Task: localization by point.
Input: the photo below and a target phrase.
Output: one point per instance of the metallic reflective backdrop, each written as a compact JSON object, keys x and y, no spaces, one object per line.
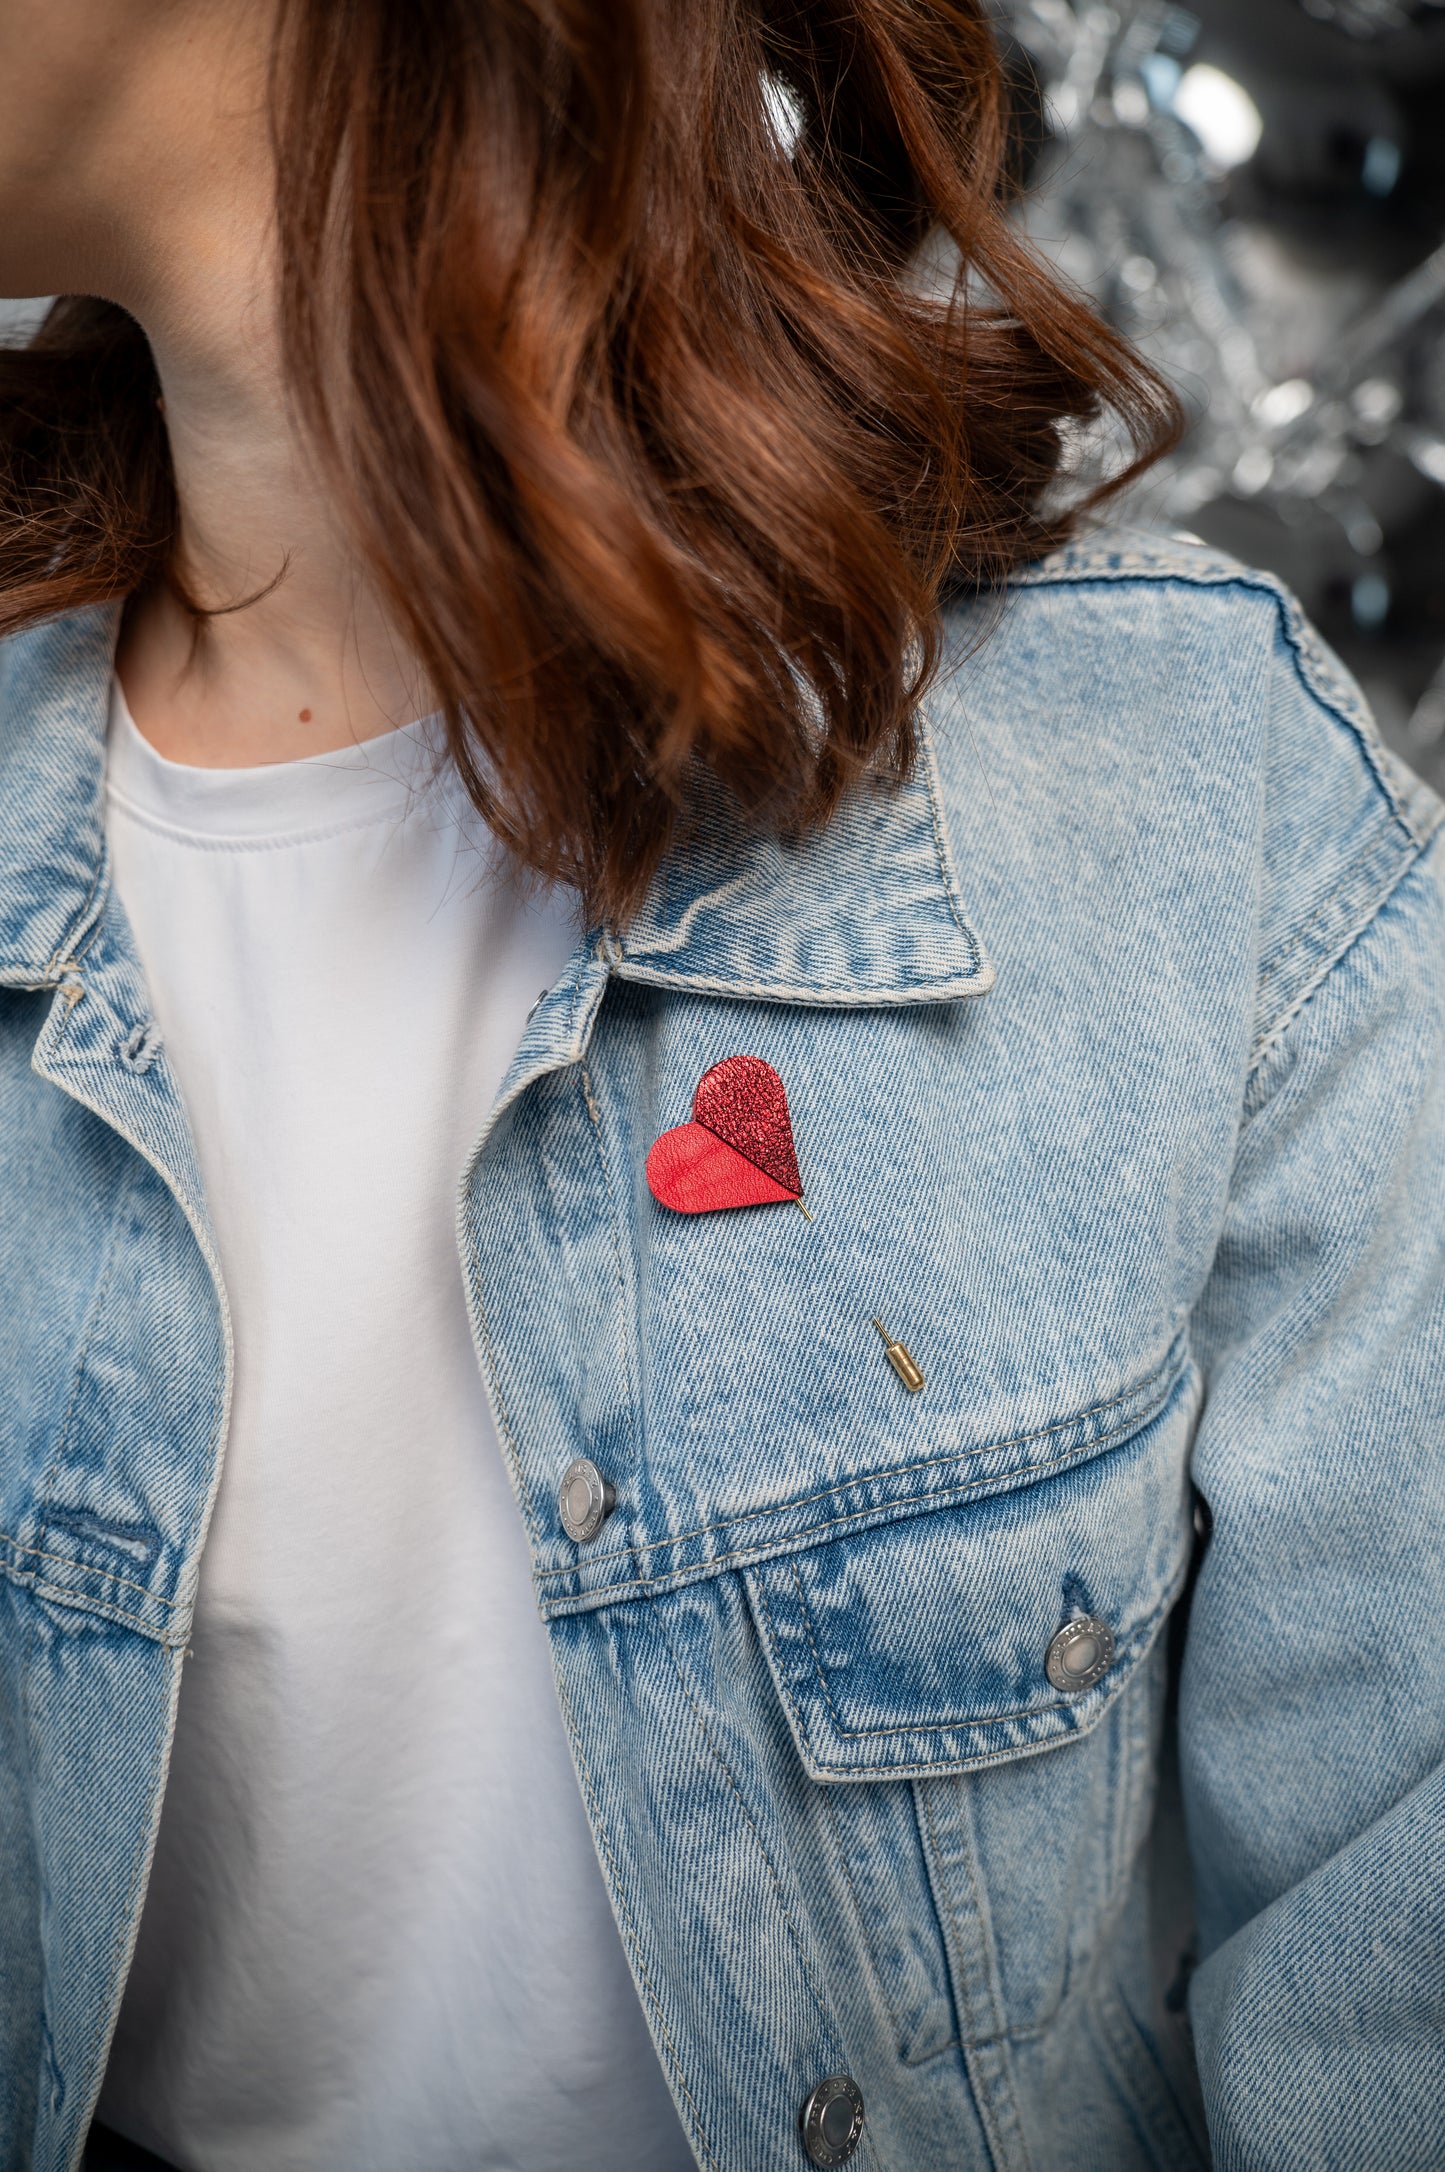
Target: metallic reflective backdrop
{"x":1255,"y":191}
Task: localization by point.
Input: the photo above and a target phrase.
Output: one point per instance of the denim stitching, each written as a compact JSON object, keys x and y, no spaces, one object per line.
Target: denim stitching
{"x":919,"y":1727}
{"x":109,"y":2009}
{"x":1310,"y":665}
{"x":984,"y":1719}
{"x":699,"y":1570}
{"x":775,"y":1656}
{"x":1270,"y":966}
{"x":614,"y":1220}
{"x":816,"y":993}
{"x":767,"y":1860}
{"x":97,"y":1309}
{"x":1329,"y":966}
{"x":928,"y":767}
{"x":1136,"y":1650}
{"x":825,"y":1796}
{"x":982,"y":2089}
{"x":1170,"y":1363}
{"x":696,"y":1570}
{"x":67,"y":948}
{"x":634,"y":1944}
{"x":1127,"y":2042}
{"x":207,"y":1253}
{"x":504,"y":1423}
{"x":68,"y":1561}
{"x":77,"y":1603}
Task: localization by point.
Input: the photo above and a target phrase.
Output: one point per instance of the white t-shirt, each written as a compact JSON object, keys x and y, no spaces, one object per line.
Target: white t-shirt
{"x":376,"y":1937}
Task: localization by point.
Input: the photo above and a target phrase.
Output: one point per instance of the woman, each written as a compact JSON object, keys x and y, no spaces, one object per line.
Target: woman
{"x":955,"y":1591}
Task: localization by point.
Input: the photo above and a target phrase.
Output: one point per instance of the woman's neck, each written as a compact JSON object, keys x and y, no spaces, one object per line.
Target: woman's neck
{"x":314,"y":663}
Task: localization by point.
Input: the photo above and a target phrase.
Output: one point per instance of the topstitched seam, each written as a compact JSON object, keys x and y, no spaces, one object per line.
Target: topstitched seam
{"x":68,"y":1561}
{"x":813,"y":994}
{"x":613,"y":1217}
{"x":75,"y":1602}
{"x":830,"y":1812}
{"x":1311,"y":666}
{"x":979,"y":1719}
{"x":1109,"y":1690}
{"x":1328,"y":966}
{"x":634,"y":1943}
{"x":928,"y":768}
{"x":698,"y":1570}
{"x":982,"y":2088}
{"x":767,"y":1860}
{"x":1139,"y":1390}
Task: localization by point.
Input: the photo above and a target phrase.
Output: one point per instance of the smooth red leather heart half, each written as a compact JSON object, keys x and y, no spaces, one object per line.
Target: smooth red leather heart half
{"x":738,"y":1150}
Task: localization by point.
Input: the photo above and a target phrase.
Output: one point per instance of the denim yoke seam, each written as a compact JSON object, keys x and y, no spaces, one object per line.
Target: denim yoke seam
{"x":1271,"y":969}
{"x":819,"y":1999}
{"x":634,"y":1943}
{"x":650,"y":1586}
{"x":1135,"y":1389}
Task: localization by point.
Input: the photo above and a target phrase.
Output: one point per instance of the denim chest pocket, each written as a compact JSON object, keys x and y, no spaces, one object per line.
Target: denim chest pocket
{"x":924,"y":1646}
{"x":913,"y":1665}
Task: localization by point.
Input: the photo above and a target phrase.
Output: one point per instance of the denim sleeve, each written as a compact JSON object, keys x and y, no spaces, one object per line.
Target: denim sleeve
{"x":1312,"y":1710}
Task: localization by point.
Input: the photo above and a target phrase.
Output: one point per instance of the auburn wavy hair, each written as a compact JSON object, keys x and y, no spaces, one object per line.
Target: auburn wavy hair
{"x":606,"y":320}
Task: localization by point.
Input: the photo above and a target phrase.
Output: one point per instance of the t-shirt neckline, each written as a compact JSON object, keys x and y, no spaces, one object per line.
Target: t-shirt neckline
{"x":372,"y":780}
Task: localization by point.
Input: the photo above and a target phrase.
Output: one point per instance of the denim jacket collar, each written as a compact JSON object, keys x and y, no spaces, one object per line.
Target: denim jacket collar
{"x":54,"y":691}
{"x":735,"y":915}
{"x":865,"y":912}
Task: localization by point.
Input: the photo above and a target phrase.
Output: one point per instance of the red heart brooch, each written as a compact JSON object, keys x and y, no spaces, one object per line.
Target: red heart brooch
{"x":737,"y":1151}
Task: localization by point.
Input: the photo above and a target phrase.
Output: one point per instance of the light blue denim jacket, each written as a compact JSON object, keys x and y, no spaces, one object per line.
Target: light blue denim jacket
{"x":1114,"y":1046}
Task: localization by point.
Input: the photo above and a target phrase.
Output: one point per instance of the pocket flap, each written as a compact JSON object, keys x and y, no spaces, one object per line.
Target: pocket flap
{"x":921,"y":1647}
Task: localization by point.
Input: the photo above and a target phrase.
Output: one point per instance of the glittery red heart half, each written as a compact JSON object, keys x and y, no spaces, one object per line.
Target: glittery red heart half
{"x":742,"y":1102}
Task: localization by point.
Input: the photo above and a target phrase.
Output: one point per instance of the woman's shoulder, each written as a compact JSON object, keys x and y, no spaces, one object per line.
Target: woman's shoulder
{"x":1144,"y":702}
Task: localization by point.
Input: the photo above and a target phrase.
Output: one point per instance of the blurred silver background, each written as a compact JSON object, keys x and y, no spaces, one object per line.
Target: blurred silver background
{"x":1254,"y":190}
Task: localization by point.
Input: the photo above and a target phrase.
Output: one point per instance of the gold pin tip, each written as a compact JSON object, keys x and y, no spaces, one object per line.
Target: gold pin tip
{"x":807,"y":1217}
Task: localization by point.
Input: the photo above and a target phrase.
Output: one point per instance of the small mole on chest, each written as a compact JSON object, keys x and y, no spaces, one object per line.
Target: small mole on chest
{"x":303,"y":716}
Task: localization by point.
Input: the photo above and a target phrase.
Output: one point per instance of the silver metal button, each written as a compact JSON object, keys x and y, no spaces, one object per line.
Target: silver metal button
{"x":1081,"y":1652}
{"x":832,"y":2120}
{"x":585,"y":1500}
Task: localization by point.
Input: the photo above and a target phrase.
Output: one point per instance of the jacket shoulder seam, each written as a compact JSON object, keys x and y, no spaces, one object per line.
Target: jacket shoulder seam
{"x":1338,"y":923}
{"x":1415,"y":810}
